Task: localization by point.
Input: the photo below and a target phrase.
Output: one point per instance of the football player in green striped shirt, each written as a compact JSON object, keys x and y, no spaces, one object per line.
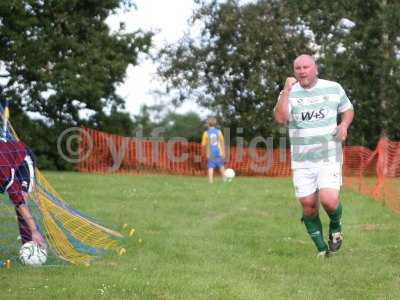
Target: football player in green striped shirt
{"x":310,"y":106}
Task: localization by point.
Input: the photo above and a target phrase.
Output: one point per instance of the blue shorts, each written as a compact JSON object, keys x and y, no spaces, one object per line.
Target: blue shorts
{"x":26,"y":174}
{"x":216,"y":162}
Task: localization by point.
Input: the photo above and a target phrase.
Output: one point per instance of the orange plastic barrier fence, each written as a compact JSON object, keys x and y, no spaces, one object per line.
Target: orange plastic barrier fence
{"x":372,"y":173}
{"x":104,"y":153}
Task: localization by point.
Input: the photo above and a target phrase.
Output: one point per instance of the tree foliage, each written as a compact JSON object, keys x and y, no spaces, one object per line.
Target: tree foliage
{"x":168,"y":125}
{"x":246,"y":50}
{"x":188,"y":126}
{"x":116,"y":122}
{"x":59,"y":57}
{"x":360,"y":47}
{"x":236,"y":66}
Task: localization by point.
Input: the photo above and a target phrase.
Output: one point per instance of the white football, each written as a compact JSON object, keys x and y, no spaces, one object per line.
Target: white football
{"x":229,"y":174}
{"x":32,"y":254}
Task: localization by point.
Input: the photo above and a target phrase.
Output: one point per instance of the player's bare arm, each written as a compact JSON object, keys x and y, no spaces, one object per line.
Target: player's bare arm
{"x":36,"y":236}
{"x":341,"y":130}
{"x":281,"y":110}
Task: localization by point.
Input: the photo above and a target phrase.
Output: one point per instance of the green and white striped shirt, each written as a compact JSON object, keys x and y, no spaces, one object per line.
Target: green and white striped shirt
{"x":312,"y":121}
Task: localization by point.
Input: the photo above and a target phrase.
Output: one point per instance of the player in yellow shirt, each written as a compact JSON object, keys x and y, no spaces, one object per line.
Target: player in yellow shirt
{"x":213,"y":143}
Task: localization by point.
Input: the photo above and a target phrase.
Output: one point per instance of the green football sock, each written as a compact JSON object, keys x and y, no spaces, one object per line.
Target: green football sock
{"x":334,"y":224}
{"x":314,"y":229}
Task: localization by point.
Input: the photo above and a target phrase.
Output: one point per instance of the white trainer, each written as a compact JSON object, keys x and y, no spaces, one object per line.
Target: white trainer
{"x":323,"y":254}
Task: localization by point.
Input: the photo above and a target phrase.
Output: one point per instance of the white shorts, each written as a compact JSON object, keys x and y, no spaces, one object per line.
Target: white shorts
{"x":307,"y":181}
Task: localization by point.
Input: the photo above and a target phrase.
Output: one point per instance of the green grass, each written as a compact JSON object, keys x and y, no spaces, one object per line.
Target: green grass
{"x":240,"y":240}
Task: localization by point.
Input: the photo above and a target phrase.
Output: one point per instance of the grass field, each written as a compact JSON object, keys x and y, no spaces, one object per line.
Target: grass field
{"x":239,"y":240}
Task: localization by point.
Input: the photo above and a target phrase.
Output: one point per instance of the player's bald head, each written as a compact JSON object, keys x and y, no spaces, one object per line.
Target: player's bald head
{"x":305,"y":59}
{"x":305,"y":70}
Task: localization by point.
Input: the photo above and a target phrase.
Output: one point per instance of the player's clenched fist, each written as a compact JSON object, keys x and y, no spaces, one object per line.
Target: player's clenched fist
{"x":290,"y":81}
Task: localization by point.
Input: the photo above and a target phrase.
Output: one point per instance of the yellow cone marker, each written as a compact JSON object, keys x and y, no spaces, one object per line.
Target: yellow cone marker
{"x":122,"y":251}
{"x":132,"y":232}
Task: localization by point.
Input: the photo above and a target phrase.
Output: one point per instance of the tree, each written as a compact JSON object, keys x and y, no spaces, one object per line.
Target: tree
{"x":168,"y":124}
{"x":360,"y":47}
{"x":59,"y":57}
{"x":143,"y":122}
{"x":237,"y":64}
{"x":245,"y":51}
{"x":116,"y":122}
{"x":188,"y":126}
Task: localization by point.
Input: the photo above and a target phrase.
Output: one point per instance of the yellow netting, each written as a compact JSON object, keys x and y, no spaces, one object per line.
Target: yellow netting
{"x":70,"y":235}
{"x":59,"y":222}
